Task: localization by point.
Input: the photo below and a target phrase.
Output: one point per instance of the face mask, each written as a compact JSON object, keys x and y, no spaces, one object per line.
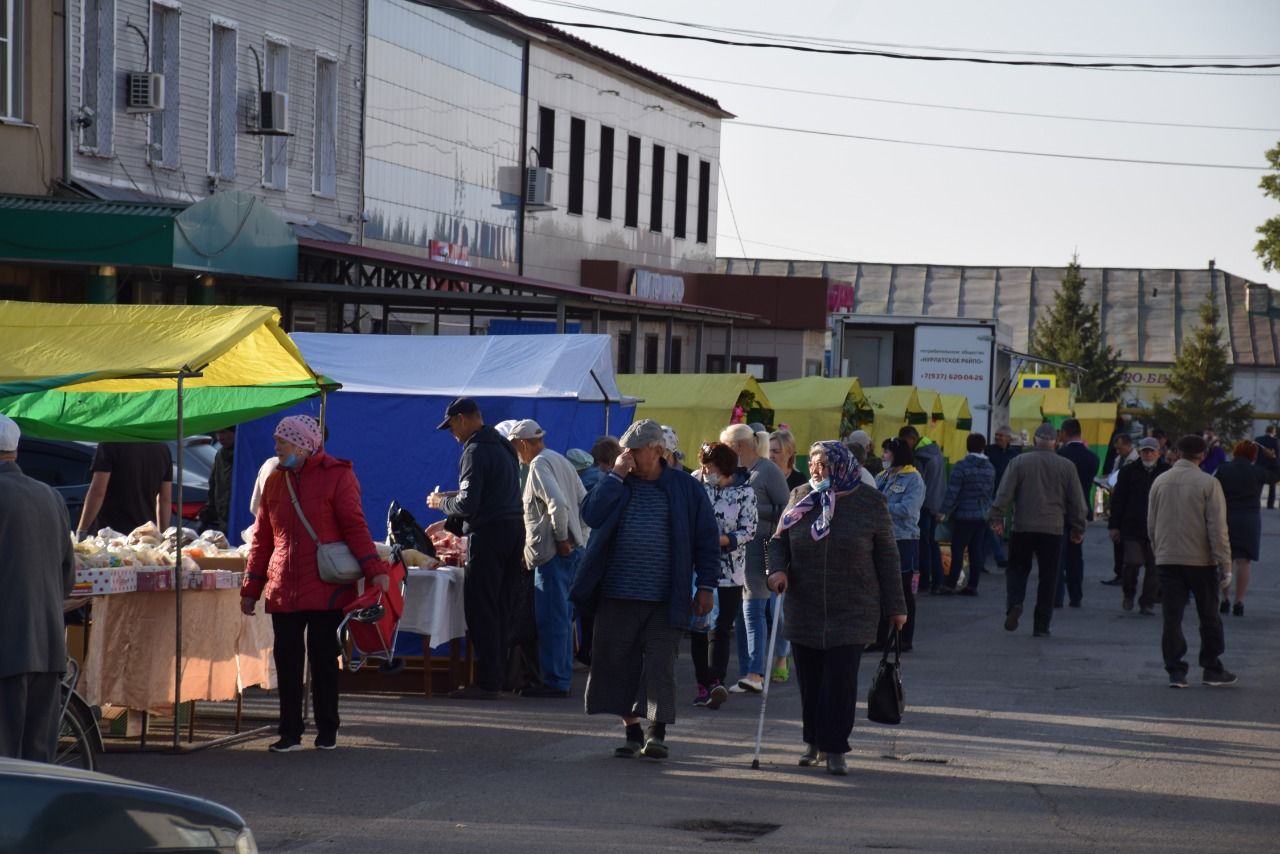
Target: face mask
{"x":1148,"y":465}
{"x":887,"y":459}
{"x":820,"y":485}
{"x":712,"y":479}
{"x":292,"y":461}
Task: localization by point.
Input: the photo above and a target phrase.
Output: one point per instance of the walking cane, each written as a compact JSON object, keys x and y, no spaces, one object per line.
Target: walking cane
{"x":764,"y":699}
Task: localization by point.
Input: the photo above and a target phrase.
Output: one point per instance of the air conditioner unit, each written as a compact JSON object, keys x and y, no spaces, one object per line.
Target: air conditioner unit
{"x":145,"y":92}
{"x":537,"y":188}
{"x":273,"y":113}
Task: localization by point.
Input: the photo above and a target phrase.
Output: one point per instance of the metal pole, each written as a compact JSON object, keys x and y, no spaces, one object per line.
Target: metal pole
{"x":764,"y":699}
{"x":324,"y":411}
{"x":177,"y":579}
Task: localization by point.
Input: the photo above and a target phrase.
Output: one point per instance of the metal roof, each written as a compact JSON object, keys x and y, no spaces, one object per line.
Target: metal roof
{"x":50,"y":204}
{"x":1146,"y":313}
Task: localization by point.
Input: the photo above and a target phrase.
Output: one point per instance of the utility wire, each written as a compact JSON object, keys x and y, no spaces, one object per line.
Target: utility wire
{"x":729,"y":199}
{"x":1096,"y":157}
{"x":969,"y":109}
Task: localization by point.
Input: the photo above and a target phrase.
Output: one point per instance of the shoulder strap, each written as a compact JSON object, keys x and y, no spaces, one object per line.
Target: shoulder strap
{"x":297,"y":508}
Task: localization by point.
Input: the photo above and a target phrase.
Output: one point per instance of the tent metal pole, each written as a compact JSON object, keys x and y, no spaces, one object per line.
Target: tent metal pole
{"x":604,"y":394}
{"x":324,"y":410}
{"x":177,"y":577}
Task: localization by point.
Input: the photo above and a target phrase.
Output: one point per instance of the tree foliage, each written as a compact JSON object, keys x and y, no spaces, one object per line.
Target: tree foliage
{"x":1268,"y":248}
{"x":1200,"y":385}
{"x":1072,"y":332}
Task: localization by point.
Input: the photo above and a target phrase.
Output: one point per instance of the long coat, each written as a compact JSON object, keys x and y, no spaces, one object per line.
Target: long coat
{"x":37,"y":571}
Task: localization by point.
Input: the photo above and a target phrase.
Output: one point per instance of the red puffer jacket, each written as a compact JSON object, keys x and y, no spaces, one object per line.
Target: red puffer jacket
{"x":283,"y":556}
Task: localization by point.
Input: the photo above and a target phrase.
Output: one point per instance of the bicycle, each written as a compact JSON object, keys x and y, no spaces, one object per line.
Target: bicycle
{"x":79,"y":738}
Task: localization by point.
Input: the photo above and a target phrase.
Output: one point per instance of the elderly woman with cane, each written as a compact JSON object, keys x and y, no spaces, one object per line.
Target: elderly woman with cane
{"x":835,"y":556}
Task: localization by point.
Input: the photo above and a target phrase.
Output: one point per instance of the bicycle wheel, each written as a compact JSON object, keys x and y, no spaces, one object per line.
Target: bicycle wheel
{"x":75,"y":745}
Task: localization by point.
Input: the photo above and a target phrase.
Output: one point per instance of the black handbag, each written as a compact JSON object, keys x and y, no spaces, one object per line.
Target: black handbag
{"x":886,"y":700}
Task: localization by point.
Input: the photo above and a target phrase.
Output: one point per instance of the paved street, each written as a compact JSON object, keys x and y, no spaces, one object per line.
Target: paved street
{"x":1072,"y":743}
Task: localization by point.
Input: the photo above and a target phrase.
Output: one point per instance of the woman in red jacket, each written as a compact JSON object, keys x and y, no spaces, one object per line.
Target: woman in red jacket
{"x":282,"y":563}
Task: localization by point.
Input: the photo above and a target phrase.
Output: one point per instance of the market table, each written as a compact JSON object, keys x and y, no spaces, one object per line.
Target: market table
{"x":433,"y":608}
{"x":131,"y":649}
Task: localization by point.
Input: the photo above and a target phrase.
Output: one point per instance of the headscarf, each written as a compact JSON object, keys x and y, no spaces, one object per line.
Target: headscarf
{"x":301,"y":430}
{"x":844,"y":473}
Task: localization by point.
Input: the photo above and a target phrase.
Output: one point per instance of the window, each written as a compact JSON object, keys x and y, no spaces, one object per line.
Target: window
{"x":604,"y":205}
{"x":577,"y":154}
{"x":164,"y":149}
{"x":655,"y":188}
{"x":222,"y":101}
{"x":677,"y":355}
{"x":715,"y":363}
{"x":631,"y":217}
{"x":11,"y":58}
{"x":546,"y":137}
{"x":324,"y":165}
{"x":682,"y":193}
{"x":651,"y":354}
{"x":98,"y":76}
{"x":625,"y":353}
{"x":275,"y":149}
{"x":704,"y":199}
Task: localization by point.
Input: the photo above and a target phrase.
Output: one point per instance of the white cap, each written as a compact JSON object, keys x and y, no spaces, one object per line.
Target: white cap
{"x":526,"y":429}
{"x":9,"y":434}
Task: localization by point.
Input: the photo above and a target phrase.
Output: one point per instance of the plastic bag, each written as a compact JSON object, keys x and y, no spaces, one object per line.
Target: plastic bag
{"x":403,"y":530}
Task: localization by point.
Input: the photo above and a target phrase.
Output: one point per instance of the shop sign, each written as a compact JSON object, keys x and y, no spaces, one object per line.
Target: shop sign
{"x":657,"y":286}
{"x":1037,"y":381}
{"x":839,"y":298}
{"x":956,"y":360}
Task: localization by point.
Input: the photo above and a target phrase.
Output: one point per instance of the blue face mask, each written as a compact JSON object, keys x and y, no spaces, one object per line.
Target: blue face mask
{"x":292,"y":461}
{"x":821,"y":485}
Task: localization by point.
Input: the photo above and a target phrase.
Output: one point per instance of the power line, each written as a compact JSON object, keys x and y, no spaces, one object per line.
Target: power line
{"x":729,"y":199}
{"x":843,"y":51}
{"x":1095,"y":157}
{"x":788,"y":248}
{"x":968,"y":109}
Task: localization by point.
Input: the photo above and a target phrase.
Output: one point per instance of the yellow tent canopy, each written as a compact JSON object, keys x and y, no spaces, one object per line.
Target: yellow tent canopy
{"x":1026,"y":411}
{"x":955,"y":408}
{"x":1097,"y":421}
{"x":696,"y":406}
{"x":814,"y":407}
{"x":894,"y":407}
{"x":1057,"y":404}
{"x":936,"y":427}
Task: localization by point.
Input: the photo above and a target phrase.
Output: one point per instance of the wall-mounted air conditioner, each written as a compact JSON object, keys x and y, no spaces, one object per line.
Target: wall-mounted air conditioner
{"x":145,"y":92}
{"x":537,"y":188}
{"x":273,"y":113}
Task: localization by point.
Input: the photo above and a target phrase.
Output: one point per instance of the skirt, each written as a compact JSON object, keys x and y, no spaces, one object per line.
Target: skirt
{"x":1244,"y":530}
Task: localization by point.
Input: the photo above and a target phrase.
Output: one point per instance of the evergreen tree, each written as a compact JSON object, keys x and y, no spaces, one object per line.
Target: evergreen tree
{"x":1072,"y":332}
{"x":1200,"y":385}
{"x":1268,"y":248}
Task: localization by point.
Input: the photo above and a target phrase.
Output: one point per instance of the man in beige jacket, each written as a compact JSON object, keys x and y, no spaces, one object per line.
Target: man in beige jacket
{"x":1187,"y":521}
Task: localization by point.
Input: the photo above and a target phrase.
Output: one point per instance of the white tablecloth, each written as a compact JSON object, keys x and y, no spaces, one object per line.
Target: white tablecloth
{"x":433,"y":604}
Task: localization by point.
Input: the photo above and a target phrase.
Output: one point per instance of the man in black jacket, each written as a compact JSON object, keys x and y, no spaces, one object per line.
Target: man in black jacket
{"x":1128,"y":524}
{"x":486,"y":508}
{"x":1071,"y":575}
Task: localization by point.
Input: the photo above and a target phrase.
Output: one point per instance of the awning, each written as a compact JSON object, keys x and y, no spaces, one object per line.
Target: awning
{"x":109,"y":372}
{"x":959,"y":423}
{"x":230,"y":233}
{"x":895,"y":406}
{"x":696,"y":406}
{"x":819,"y":408}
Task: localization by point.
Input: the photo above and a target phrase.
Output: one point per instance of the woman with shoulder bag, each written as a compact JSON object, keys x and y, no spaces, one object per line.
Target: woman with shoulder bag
{"x":310,"y":504}
{"x":835,"y":557}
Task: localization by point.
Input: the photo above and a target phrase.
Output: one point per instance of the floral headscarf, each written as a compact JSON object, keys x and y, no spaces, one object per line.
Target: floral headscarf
{"x":845,"y":476}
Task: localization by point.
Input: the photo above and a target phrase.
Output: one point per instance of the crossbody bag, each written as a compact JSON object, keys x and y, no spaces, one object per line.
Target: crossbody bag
{"x":335,"y":561}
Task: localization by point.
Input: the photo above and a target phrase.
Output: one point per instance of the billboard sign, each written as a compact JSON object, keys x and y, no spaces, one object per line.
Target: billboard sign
{"x":957,"y":360}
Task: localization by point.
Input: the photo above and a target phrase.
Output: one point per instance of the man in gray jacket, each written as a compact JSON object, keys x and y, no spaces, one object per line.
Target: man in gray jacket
{"x":1187,"y":520}
{"x":37,"y":571}
{"x":1047,"y":500}
{"x":553,"y":541}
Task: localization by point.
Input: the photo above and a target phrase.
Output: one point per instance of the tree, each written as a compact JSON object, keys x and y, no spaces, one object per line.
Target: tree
{"x":1072,"y":332}
{"x":1268,"y":248}
{"x":1201,"y":385}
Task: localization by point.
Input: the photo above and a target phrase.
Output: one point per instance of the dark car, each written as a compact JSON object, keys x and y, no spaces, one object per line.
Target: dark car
{"x":50,"y":809}
{"x":65,"y":465}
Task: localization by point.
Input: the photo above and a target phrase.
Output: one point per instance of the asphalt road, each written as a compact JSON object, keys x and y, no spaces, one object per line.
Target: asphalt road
{"x":1010,"y":743}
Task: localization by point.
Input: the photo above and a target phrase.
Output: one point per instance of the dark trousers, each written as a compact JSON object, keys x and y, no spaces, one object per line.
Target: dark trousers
{"x":1202,"y":583}
{"x":930,"y":564}
{"x":1137,"y":555}
{"x":1071,"y":572}
{"x":908,"y":552}
{"x":1044,"y":548}
{"x":711,"y":649}
{"x":1271,"y":496}
{"x":828,"y":694}
{"x":1117,"y":552}
{"x":494,"y":564}
{"x":971,"y":535}
{"x":29,"y":706}
{"x":320,"y":648}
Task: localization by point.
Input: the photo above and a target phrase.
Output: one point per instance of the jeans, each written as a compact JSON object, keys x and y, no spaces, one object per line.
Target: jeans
{"x":828,"y":694}
{"x":931,"y":576}
{"x":1071,"y":575}
{"x":1045,"y":549}
{"x":1202,"y":583}
{"x":908,"y":552}
{"x":320,"y":650}
{"x":995,"y":547}
{"x":753,"y":637}
{"x":554,"y":616}
{"x":775,"y":613}
{"x":711,"y":649}
{"x":968,"y":534}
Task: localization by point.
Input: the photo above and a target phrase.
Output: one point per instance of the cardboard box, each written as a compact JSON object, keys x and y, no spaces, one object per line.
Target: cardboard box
{"x":104,"y":582}
{"x":232,"y":563}
{"x":155,"y":578}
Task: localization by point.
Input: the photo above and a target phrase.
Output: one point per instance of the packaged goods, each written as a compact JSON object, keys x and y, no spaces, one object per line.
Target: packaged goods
{"x":105,"y":581}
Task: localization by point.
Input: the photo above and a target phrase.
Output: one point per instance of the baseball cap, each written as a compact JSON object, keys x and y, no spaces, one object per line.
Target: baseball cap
{"x":1046,"y":431}
{"x":527,"y":429}
{"x":10,"y":433}
{"x":642,"y":434}
{"x":460,"y":406}
{"x":861,"y":437}
{"x":581,"y":459}
{"x":1148,"y":444}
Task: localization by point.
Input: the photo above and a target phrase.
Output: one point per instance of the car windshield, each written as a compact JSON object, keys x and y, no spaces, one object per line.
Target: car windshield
{"x":197,"y":461}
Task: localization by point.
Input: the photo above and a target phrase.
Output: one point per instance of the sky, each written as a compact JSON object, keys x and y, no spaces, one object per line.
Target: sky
{"x":799,"y":196}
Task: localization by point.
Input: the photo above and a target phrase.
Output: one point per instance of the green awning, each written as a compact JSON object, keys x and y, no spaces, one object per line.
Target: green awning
{"x":227,"y":233}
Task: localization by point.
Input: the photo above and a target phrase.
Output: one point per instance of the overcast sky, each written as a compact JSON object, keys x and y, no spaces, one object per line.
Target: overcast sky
{"x":802,"y":196}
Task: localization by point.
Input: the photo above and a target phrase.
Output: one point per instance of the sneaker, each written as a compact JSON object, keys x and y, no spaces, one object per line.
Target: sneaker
{"x":1178,"y":680}
{"x":1237,"y":610}
{"x":1219,"y":678}
{"x":327,"y":742}
{"x":1011,"y":619}
{"x":1112,"y":582}
{"x":655,"y":748}
{"x":703,"y":698}
{"x":1225,"y":607}
{"x":751,"y":683}
{"x":736,"y":688}
{"x":812,"y":757}
{"x":630,"y":750}
{"x":286,"y":745}
{"x":719,"y":694}
{"x":1127,"y":604}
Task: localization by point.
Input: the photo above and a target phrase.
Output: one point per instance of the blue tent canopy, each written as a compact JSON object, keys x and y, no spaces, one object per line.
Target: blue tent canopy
{"x":394,"y":392}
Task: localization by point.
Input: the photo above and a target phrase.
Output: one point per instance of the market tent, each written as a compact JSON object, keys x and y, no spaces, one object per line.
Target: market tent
{"x":696,"y":406}
{"x":1026,"y":411}
{"x":959,"y":421}
{"x":109,"y":372}
{"x":1058,"y":405}
{"x":936,"y":425}
{"x":1097,"y":423}
{"x":895,"y":406}
{"x":395,"y":389}
{"x":818,"y":408}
